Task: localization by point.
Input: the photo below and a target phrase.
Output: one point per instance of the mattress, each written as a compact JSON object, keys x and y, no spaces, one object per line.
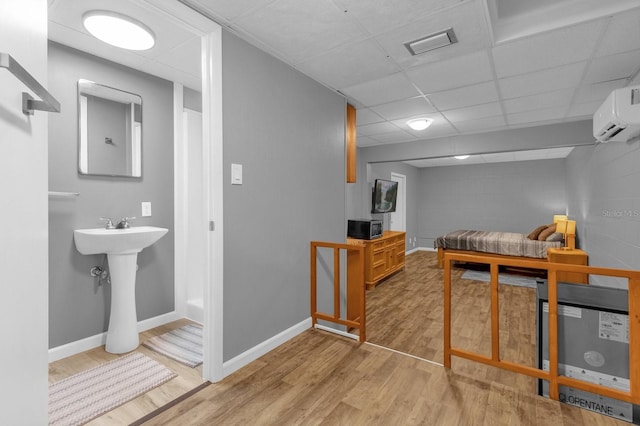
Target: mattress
{"x":505,"y":243}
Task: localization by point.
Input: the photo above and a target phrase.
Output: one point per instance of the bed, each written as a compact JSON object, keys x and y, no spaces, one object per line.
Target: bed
{"x":511,"y":244}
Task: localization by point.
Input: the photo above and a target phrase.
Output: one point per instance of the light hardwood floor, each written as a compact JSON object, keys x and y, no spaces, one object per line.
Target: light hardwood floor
{"x":321,"y":378}
{"x":188,"y":378}
{"x":405,"y":313}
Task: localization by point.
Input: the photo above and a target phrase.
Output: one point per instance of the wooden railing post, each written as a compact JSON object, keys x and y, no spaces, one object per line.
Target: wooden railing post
{"x":314,"y":285}
{"x":336,"y":282}
{"x":447,"y":313}
{"x":552,"y":294}
{"x":634,"y":338}
{"x":495,"y":314}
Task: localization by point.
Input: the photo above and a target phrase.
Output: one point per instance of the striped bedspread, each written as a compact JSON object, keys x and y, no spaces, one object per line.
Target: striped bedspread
{"x":506,"y":243}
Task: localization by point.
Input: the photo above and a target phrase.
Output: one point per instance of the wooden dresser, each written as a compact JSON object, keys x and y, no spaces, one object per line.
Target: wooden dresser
{"x":382,"y":256}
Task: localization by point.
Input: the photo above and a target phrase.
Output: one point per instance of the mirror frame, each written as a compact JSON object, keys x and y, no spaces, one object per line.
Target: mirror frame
{"x":88,"y":87}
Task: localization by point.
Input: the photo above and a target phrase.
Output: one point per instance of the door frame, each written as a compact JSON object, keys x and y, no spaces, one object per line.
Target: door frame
{"x":212,"y":189}
{"x":401,"y":202}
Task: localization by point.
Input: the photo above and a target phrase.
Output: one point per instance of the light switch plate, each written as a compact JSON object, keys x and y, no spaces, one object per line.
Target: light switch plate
{"x":146,"y":208}
{"x":236,"y":174}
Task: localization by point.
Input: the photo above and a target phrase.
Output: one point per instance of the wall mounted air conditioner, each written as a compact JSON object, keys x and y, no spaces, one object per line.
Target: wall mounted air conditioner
{"x":618,"y":118}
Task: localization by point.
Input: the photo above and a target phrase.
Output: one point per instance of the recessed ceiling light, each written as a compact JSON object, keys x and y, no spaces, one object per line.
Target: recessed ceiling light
{"x":420,"y":123}
{"x":118,"y":30}
{"x":461,"y":157}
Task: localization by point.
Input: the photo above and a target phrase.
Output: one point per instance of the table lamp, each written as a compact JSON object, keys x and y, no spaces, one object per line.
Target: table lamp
{"x":568,"y":229}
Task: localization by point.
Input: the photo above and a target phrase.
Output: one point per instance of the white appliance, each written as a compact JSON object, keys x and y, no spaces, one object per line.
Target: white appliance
{"x":618,"y":118}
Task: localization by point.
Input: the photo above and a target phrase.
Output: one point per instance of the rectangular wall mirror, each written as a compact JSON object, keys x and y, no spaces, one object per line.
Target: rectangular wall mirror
{"x":110,"y":131}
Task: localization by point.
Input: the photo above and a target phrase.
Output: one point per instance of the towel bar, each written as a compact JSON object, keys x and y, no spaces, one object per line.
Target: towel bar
{"x":29,"y":104}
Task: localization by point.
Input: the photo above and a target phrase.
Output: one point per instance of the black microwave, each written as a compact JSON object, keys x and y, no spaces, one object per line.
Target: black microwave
{"x":364,"y":229}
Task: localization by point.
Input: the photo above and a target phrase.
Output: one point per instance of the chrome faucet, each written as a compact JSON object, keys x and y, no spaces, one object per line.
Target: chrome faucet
{"x":124,"y":223}
{"x":109,"y":223}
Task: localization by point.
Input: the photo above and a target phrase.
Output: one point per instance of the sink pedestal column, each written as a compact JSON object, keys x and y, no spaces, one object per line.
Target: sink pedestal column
{"x":122,"y":335}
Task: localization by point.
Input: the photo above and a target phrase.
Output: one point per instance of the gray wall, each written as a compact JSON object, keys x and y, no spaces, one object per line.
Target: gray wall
{"x":78,"y":307}
{"x":603,"y":184}
{"x":383,"y":171}
{"x":192,"y":99}
{"x":509,"y":197}
{"x":288,"y":133}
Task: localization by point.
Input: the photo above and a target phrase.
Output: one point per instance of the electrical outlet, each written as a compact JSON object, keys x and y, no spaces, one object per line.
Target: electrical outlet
{"x":146,"y":208}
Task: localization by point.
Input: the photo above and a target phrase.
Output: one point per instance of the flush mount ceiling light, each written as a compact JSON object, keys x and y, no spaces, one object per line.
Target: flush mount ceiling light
{"x":118,"y":30}
{"x":433,"y":41}
{"x":420,"y":123}
{"x":461,"y":157}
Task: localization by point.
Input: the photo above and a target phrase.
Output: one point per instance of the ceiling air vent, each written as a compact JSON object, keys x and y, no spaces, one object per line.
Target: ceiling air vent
{"x":431,"y":42}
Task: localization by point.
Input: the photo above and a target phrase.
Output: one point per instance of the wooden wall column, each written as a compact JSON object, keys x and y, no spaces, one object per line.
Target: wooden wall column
{"x":351,"y":144}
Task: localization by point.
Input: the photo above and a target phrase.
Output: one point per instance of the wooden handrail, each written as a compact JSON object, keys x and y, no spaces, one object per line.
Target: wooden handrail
{"x":555,"y":380}
{"x":355,"y":276}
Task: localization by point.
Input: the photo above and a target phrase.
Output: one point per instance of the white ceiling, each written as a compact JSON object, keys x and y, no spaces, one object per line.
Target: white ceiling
{"x":517,"y":63}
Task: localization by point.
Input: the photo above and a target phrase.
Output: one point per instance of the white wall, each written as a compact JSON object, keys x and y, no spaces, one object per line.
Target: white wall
{"x":24,"y":250}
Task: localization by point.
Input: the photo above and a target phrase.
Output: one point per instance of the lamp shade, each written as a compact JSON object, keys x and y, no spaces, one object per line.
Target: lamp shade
{"x":567,"y":227}
{"x":559,"y":217}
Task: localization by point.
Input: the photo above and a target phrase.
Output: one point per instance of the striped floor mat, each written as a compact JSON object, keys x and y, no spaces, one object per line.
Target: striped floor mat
{"x":91,"y":393}
{"x":183,"y":345}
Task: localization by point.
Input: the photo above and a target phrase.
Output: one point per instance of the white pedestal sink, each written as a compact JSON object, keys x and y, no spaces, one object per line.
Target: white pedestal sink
{"x":121,"y":247}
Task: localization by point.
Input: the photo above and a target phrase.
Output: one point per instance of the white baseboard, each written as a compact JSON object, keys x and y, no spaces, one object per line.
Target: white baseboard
{"x":97,"y":340}
{"x":420,"y":249}
{"x":268,"y":345}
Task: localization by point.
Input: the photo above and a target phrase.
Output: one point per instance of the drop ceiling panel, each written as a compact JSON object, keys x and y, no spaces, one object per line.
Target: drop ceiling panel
{"x":540,"y":115}
{"x":366,"y":141}
{"x":540,"y":101}
{"x":450,"y":73}
{"x":613,"y":67}
{"x":405,"y":108}
{"x":350,"y":64}
{"x":511,"y":8}
{"x":542,"y":81}
{"x":378,"y":16}
{"x":184,"y":59}
{"x":394,"y":137}
{"x":598,"y":91}
{"x":301,"y":29}
{"x":377,"y":128}
{"x":473,"y":112}
{"x":86,"y":43}
{"x":465,"y":96}
{"x":481,"y":125}
{"x":367,"y":116}
{"x":622,"y":35}
{"x":467,"y":21}
{"x":383,"y":90}
{"x":548,"y":50}
{"x":230,"y":9}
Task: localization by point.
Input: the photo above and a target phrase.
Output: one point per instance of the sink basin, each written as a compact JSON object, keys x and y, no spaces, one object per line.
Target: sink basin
{"x":121,"y":247}
{"x":116,"y":241}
